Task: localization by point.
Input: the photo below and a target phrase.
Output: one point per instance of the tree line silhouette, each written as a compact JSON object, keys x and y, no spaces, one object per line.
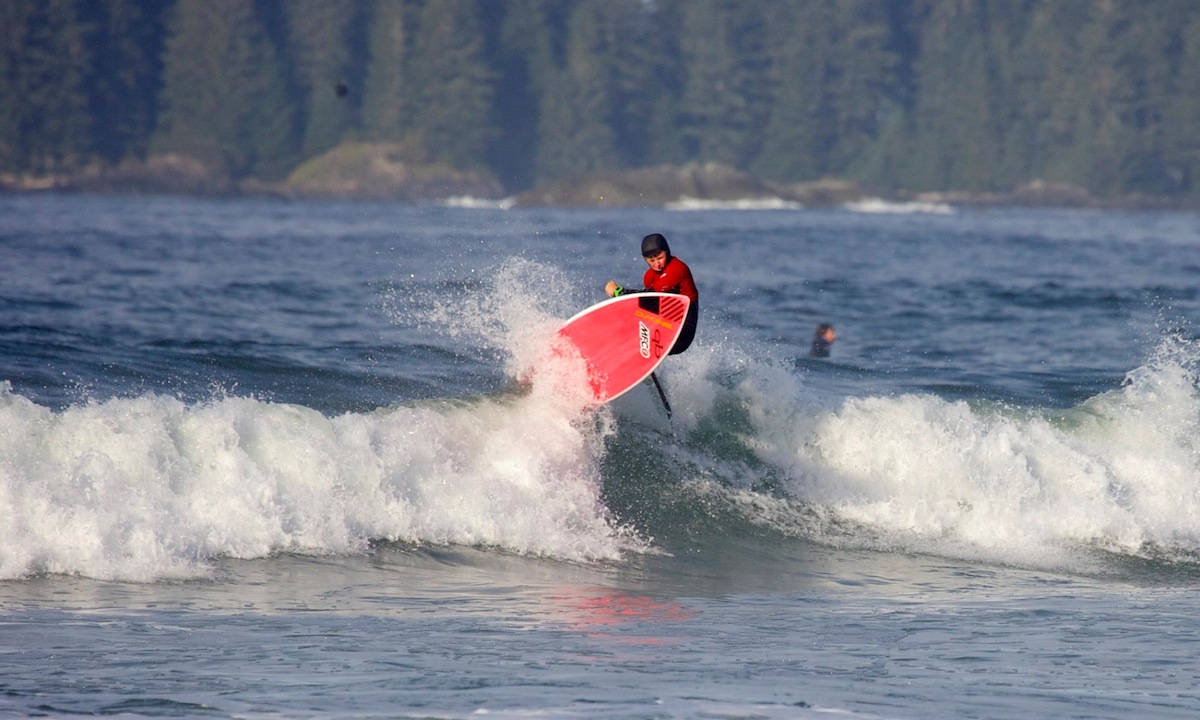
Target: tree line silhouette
{"x":903,"y":95}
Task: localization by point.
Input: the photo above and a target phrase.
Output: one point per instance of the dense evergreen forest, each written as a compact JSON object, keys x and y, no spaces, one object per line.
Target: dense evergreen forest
{"x":905,"y":95}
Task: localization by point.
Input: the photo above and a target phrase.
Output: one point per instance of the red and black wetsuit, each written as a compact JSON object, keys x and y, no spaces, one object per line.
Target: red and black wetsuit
{"x":676,"y":277}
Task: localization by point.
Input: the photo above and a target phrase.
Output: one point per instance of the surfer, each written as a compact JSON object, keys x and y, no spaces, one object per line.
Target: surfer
{"x":669,"y":274}
{"x":823,"y":340}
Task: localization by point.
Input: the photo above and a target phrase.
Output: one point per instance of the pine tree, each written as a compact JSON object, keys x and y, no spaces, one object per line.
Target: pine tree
{"x":389,"y":105}
{"x":512,"y":27}
{"x":1143,"y":41}
{"x":45,"y":118}
{"x":724,"y":103}
{"x":224,"y":95}
{"x":793,"y":139}
{"x":453,"y":82}
{"x":594,"y":108}
{"x":640,"y":60}
{"x":657,"y":134}
{"x":955,"y":140}
{"x":123,"y":80}
{"x":862,"y":85}
{"x":321,"y":44}
{"x":1181,"y":141}
{"x":532,"y":35}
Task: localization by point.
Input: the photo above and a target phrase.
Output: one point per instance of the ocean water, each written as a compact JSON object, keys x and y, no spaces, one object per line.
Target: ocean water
{"x":268,"y":459}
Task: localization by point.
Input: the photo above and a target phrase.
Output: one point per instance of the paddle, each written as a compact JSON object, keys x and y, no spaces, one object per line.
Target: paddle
{"x":662,"y":395}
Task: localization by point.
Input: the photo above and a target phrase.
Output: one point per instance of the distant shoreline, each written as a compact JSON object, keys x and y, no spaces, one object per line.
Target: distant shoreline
{"x":693,"y":186}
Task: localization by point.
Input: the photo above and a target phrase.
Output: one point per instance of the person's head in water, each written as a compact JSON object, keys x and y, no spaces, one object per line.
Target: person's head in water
{"x":823,"y":340}
{"x":656,"y":251}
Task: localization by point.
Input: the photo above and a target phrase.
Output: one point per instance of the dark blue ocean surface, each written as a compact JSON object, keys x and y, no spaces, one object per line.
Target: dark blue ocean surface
{"x":271,"y":459}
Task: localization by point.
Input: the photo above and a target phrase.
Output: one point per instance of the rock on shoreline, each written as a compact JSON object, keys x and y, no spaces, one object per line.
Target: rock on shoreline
{"x":367,"y":171}
{"x":385,"y":171}
{"x":665,"y":184}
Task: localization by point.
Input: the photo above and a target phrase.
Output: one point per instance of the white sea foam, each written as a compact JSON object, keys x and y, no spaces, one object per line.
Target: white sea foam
{"x":881,"y":206}
{"x":918,"y":473}
{"x":474,"y":203}
{"x":772,"y":203}
{"x":149,"y":488}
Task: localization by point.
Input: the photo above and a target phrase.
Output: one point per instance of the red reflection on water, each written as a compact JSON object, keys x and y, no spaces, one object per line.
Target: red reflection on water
{"x":598,"y":614}
{"x":617,"y":609}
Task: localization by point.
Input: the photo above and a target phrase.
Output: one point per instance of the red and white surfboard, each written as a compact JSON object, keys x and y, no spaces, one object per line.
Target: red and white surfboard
{"x":625,"y":338}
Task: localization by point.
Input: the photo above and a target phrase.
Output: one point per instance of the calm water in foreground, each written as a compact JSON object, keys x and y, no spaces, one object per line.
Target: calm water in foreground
{"x":264,"y":459}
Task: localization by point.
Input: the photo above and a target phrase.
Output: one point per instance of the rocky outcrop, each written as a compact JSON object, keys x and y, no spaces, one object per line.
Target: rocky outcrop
{"x":648,"y":187}
{"x":167,"y":174}
{"x":666,"y":184}
{"x":374,"y":171}
{"x":385,"y":171}
{"x":822,"y":193}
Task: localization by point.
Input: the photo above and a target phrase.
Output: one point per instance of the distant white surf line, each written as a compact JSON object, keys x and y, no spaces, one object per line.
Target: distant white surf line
{"x":474,"y":203}
{"x":774,"y":203}
{"x":880,"y":206}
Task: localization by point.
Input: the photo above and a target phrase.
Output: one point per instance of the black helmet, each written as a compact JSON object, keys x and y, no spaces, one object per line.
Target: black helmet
{"x":654,"y":244}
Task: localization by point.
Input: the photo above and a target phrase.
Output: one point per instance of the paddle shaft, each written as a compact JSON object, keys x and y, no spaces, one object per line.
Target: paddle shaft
{"x":661,"y":394}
